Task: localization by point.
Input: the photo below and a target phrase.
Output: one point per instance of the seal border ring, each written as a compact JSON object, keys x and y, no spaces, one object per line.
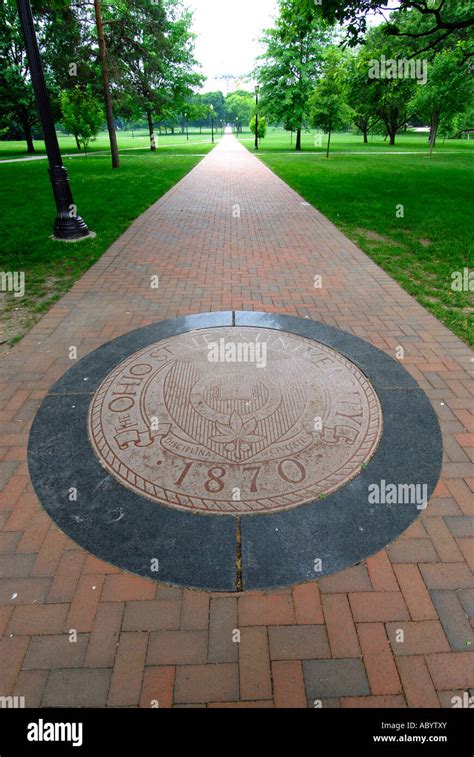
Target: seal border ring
{"x":198,"y":551}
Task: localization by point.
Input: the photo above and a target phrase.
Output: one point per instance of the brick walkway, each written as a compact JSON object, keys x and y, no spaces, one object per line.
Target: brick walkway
{"x":333,"y":640}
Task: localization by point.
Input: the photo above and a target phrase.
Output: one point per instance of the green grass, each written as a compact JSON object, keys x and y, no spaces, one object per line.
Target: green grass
{"x":109,"y":200}
{"x":359,"y":193}
{"x":279,"y":141}
{"x":126,"y":142}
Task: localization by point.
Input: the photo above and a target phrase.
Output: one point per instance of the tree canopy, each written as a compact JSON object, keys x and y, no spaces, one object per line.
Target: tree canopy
{"x":149,"y":51}
{"x":327,"y":105}
{"x":290,"y":65}
{"x":440,"y":19}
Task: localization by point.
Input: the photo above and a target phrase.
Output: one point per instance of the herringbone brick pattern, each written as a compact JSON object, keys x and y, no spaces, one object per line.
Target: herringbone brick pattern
{"x":77,"y":631}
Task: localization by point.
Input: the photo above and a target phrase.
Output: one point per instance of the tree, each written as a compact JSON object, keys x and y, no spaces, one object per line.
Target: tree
{"x":67,"y":38}
{"x":262,"y":126}
{"x":392,"y":102}
{"x":363,"y":108}
{"x":196,"y":110}
{"x":128,"y":110}
{"x":17,"y":99}
{"x":290,"y":66}
{"x":239,"y":107}
{"x":104,"y":66}
{"x":153,"y":50}
{"x":388,"y":93}
{"x":448,"y":89}
{"x":463,"y":122}
{"x":74,"y":51}
{"x":82,"y":114}
{"x":198,"y":107}
{"x":413,"y":30}
{"x":327,"y":105}
{"x":216,"y":99}
{"x":168,"y":120}
{"x":442,"y":19}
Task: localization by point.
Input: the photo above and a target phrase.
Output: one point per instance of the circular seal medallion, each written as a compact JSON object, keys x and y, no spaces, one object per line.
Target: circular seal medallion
{"x":235,"y":421}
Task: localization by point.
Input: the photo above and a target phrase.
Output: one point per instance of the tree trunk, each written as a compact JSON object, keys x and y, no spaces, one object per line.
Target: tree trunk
{"x":78,"y":144}
{"x":105,"y":85}
{"x":291,"y":138}
{"x":392,"y":137}
{"x":151,"y":130}
{"x":364,"y":132}
{"x":298,"y":140}
{"x":200,"y":130}
{"x":329,"y":143}
{"x":30,"y":147}
{"x":434,"y":132}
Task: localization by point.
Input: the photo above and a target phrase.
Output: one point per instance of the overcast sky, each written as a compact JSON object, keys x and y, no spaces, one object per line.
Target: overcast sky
{"x":228,"y":31}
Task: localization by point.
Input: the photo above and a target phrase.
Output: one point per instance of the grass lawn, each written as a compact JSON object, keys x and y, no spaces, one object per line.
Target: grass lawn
{"x":280,"y":141}
{"x":109,"y":200}
{"x":359,"y":193}
{"x":126,"y":142}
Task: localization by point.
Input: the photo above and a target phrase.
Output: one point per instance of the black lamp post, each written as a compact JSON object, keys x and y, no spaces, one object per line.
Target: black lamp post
{"x":237,"y":125}
{"x":257,"y":89}
{"x":68,"y":225}
{"x":186,"y":122}
{"x":212,"y":123}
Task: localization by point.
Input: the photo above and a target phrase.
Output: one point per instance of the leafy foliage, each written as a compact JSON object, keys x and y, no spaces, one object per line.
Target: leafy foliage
{"x":327,"y":106}
{"x":82,"y":114}
{"x":262,"y":126}
{"x":152,"y":48}
{"x":437,"y":21}
{"x":363,"y":109}
{"x":290,"y":66}
{"x":239,"y":107}
{"x":448,"y":89}
{"x":17,"y":99}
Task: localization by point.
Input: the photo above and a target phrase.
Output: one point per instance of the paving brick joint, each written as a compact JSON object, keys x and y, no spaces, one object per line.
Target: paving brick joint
{"x":394,"y":630}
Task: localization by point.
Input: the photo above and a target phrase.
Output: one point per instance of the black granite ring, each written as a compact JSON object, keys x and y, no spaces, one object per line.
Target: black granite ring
{"x":228,"y":553}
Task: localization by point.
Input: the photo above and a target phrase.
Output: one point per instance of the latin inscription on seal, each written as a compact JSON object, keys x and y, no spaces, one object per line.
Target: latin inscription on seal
{"x":235,"y":421}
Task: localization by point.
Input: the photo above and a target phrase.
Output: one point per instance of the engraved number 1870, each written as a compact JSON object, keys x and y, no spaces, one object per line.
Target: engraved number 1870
{"x":289,"y":470}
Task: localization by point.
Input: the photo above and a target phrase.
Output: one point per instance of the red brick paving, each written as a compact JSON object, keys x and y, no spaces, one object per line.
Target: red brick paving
{"x":144,"y":644}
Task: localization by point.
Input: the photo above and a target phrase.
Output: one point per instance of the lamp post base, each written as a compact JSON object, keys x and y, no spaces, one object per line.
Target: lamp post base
{"x":73,"y":240}
{"x":67,"y":228}
{"x":67,"y":225}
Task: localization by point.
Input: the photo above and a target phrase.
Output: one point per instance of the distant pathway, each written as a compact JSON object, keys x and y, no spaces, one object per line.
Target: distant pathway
{"x":92,"y":153}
